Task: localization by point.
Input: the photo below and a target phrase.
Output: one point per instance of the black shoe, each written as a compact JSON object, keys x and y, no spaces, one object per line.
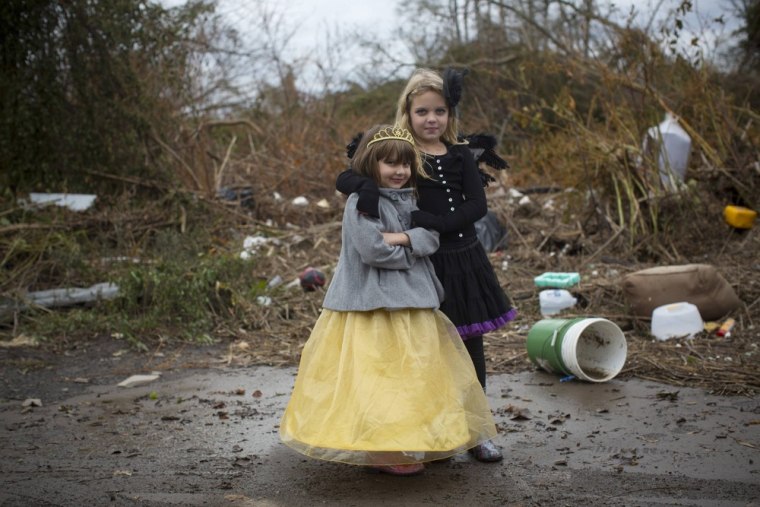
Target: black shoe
{"x":487,"y":452}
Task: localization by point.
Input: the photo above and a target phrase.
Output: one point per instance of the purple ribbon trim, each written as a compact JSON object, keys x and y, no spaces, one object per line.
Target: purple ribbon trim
{"x":481,"y":328}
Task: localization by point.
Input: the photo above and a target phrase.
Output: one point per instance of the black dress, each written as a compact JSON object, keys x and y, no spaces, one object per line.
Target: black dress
{"x":450,"y":202}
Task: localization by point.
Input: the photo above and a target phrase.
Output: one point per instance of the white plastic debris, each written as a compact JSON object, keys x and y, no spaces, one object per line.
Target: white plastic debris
{"x":138,"y":380}
{"x":32,"y":402}
{"x":253,"y":243}
{"x":277,"y":196}
{"x":300,"y":201}
{"x":264,"y":300}
{"x":73,"y":295}
{"x":61,"y":297}
{"x":323,"y":204}
{"x":274,"y":282}
{"x":293,"y":283}
{"x":671,"y":145}
{"x":75,"y":202}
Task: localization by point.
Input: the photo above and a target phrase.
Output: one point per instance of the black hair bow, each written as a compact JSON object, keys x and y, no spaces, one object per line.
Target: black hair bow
{"x":452,"y":85}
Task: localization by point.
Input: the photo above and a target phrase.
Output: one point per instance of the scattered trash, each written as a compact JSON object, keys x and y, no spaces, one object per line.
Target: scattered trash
{"x":274,"y":282}
{"x":138,"y":380}
{"x":553,"y":301}
{"x":671,"y":146}
{"x":277,"y":196}
{"x":676,"y":320}
{"x":491,"y":233}
{"x":739,"y":217}
{"x":711,"y":326}
{"x":699,"y":284}
{"x":591,"y":349}
{"x":73,"y":295}
{"x":61,"y":297}
{"x":242,"y":195}
{"x":557,"y":280}
{"x":324,"y":204}
{"x":264,"y":300}
{"x":19,"y":341}
{"x":74,"y":202}
{"x":32,"y":402}
{"x":252,"y":244}
{"x":725,"y":329}
{"x":300,"y":201}
{"x":311,"y":278}
{"x":293,"y":283}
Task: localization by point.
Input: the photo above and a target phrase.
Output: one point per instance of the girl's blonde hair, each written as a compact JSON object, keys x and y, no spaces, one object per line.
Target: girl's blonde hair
{"x":424,"y":80}
{"x":389,"y":150}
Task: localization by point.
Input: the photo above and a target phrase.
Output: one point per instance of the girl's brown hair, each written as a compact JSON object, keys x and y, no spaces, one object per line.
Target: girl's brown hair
{"x":365,"y":160}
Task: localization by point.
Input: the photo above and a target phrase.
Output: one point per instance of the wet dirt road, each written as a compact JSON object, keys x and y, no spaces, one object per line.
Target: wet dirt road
{"x":209,"y":437}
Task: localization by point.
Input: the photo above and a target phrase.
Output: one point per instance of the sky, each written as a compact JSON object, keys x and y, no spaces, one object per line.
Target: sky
{"x":313,"y":25}
{"x":315,"y":16}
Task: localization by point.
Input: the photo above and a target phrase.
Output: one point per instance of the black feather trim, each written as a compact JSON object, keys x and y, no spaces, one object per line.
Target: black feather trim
{"x":485,"y":178}
{"x":483,"y":141}
{"x":351,"y":147}
{"x":482,"y":147}
{"x":452,"y":85}
{"x":491,"y":159}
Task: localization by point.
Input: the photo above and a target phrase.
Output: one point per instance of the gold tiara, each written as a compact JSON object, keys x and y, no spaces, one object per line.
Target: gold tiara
{"x":395,"y":132}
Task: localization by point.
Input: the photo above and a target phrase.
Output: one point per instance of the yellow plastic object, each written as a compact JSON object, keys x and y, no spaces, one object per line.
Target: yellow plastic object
{"x":739,"y":217}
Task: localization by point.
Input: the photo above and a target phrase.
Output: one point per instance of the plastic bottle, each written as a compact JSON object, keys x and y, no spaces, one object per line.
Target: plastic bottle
{"x":555,"y":300}
{"x":670,"y":143}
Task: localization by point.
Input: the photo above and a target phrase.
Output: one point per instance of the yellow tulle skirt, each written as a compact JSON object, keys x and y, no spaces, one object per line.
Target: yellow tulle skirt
{"x":385,"y":388}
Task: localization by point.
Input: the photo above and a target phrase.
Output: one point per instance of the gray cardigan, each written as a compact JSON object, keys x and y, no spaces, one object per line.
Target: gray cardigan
{"x":372,"y":274}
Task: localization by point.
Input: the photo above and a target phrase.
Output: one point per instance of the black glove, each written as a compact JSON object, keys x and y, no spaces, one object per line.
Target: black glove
{"x":349,"y":182}
{"x":369,"y":199}
{"x":427,"y":220}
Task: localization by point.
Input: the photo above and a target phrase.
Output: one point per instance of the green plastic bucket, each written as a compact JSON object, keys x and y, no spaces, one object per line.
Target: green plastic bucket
{"x":591,"y":349}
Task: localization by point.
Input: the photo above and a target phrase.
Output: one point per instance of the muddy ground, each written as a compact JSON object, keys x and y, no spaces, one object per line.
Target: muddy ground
{"x":205,"y":433}
{"x":680,"y":424}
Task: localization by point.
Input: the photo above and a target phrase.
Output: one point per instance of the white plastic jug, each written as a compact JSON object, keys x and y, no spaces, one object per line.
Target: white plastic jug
{"x":672,"y":145}
{"x":555,"y":300}
{"x":676,"y":319}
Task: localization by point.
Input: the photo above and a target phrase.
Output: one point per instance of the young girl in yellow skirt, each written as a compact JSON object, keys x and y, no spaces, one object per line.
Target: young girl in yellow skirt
{"x":384,"y":379}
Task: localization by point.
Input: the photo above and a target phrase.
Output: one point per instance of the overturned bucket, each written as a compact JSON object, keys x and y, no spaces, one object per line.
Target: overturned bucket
{"x":591,"y":349}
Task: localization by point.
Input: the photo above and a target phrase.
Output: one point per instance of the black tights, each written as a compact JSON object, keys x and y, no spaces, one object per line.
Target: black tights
{"x":474,"y":346}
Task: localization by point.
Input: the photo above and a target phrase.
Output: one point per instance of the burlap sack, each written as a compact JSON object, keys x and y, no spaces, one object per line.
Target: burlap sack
{"x":698,"y":284}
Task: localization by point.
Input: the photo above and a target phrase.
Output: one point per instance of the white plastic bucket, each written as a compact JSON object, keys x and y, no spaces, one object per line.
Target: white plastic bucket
{"x":592,"y":349}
